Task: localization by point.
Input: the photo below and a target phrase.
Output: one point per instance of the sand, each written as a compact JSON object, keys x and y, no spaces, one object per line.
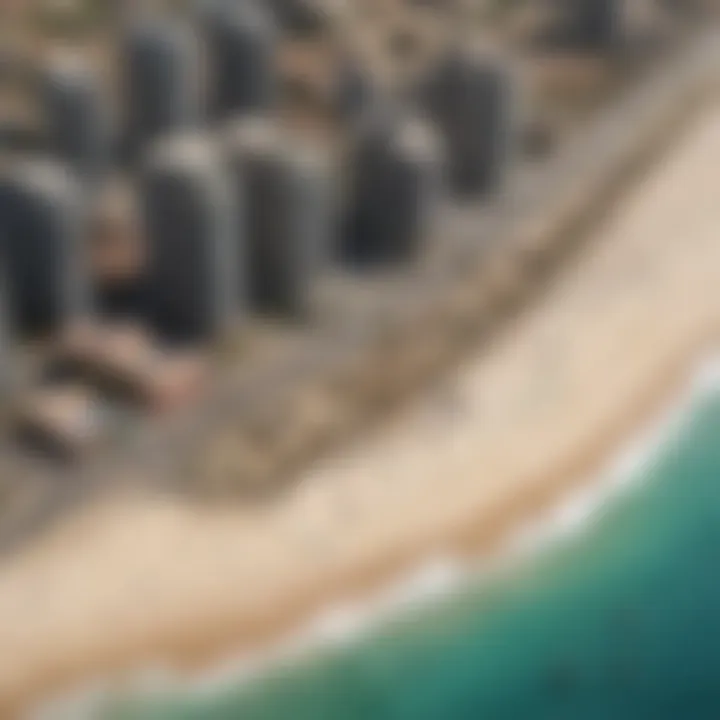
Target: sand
{"x":136,"y":581}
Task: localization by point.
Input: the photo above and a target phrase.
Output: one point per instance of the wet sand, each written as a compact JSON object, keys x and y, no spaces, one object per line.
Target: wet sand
{"x":137,"y":581}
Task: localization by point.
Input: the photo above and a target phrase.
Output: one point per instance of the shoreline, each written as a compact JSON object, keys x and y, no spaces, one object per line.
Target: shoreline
{"x":377,"y":550}
{"x":442,"y":576}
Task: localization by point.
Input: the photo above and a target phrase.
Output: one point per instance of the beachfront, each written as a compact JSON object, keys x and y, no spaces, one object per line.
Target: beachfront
{"x":134,"y":582}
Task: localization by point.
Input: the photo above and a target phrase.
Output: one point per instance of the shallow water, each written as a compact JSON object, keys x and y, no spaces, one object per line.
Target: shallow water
{"x":619,"y":621}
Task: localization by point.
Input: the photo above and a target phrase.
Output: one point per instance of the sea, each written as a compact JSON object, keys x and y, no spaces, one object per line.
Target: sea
{"x":606,"y":608}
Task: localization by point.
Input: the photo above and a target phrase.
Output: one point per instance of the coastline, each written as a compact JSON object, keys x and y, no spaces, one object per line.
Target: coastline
{"x":566,"y":448}
{"x":438,"y":576}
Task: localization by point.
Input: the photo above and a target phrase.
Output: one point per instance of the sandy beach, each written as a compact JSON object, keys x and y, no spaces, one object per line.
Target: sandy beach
{"x":139,"y":581}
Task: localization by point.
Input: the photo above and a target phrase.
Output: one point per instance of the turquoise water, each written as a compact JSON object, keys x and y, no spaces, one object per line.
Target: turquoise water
{"x":622,"y":621}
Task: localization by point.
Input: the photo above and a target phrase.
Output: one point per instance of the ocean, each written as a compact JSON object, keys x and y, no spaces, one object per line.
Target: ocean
{"x":617,"y":617}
